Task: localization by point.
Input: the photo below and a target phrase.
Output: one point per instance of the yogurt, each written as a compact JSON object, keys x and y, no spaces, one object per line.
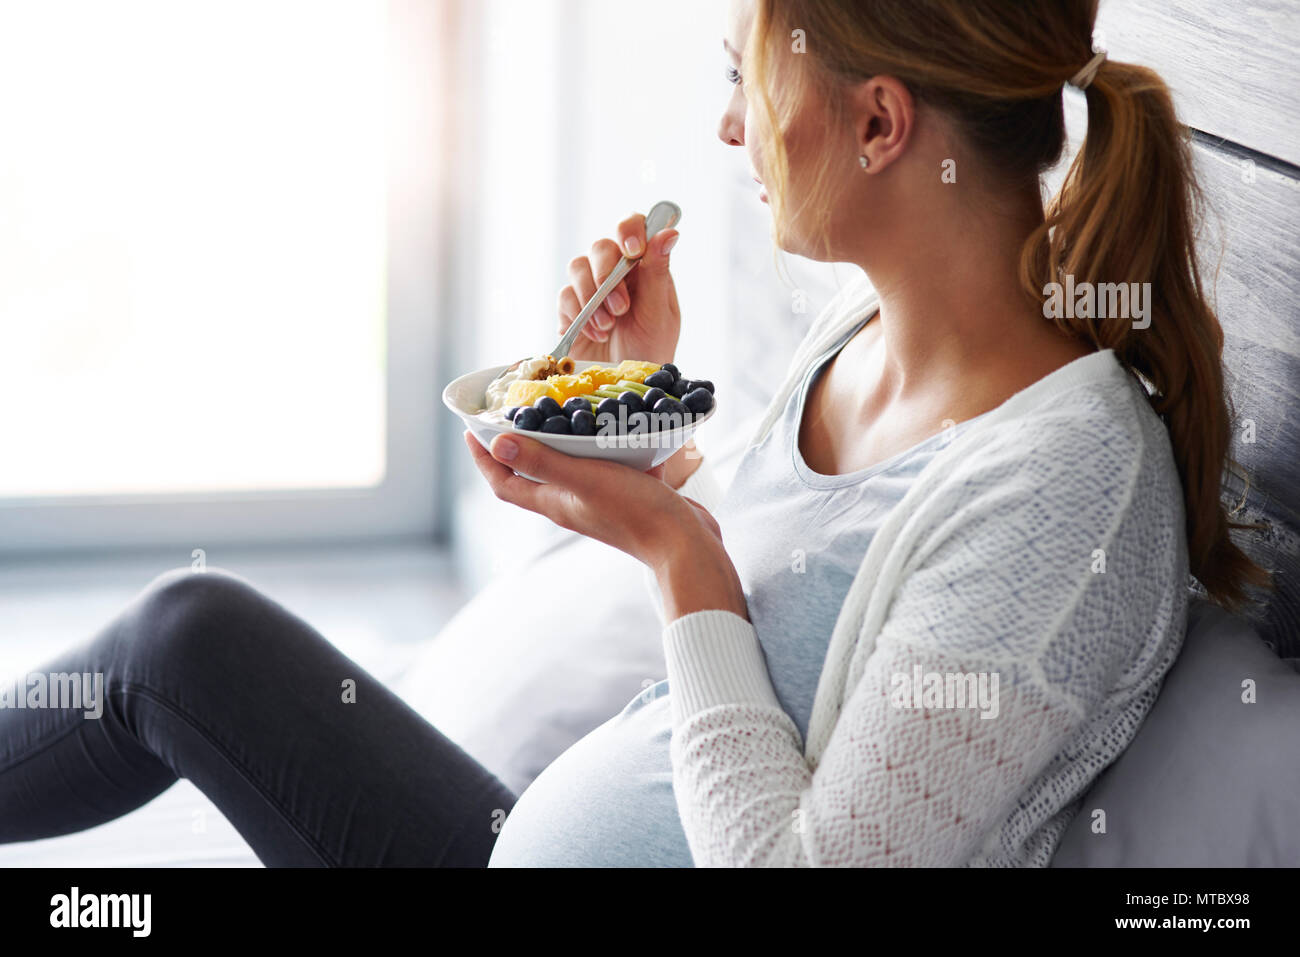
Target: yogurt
{"x":495,"y":398}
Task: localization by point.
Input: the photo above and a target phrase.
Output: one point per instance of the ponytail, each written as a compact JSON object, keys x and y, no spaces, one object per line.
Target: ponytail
{"x":1127,"y":213}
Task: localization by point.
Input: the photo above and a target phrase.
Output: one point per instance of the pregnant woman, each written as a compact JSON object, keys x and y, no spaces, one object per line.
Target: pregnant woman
{"x":945,"y":585}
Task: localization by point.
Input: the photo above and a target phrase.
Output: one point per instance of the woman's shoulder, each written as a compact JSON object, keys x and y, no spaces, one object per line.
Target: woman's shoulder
{"x":1087,"y":425}
{"x":1056,"y":535}
{"x":1086,"y":467}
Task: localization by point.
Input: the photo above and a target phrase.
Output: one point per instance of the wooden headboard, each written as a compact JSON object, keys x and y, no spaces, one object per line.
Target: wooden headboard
{"x":1235,"y":78}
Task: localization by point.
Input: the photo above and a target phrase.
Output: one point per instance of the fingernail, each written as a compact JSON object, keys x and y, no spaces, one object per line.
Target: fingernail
{"x":668,"y":246}
{"x":632,"y":245}
{"x":616,"y":301}
{"x":505,"y":449}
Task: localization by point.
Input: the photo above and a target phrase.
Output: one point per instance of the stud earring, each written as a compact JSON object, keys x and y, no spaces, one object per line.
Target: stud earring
{"x":863,"y":161}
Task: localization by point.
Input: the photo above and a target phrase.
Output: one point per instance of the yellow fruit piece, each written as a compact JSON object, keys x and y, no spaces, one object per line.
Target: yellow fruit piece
{"x":602,"y":375}
{"x":570,"y":385}
{"x":528,"y":391}
{"x":636,"y":370}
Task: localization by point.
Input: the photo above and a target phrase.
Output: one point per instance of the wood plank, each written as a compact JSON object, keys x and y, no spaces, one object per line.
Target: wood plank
{"x":1233,"y":68}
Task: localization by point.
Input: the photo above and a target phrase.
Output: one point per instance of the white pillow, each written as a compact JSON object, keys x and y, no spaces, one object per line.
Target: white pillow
{"x":1212,"y":777}
{"x":538,"y":658}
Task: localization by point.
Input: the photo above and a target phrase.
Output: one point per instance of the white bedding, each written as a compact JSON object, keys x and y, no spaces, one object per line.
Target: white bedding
{"x":179,"y":828}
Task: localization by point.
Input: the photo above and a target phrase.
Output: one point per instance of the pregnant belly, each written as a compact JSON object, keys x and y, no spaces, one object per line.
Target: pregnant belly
{"x":606,"y":802}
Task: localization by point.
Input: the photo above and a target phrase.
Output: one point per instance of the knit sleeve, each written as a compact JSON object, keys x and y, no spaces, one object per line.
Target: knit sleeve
{"x":1002,"y":641}
{"x":897,"y":786}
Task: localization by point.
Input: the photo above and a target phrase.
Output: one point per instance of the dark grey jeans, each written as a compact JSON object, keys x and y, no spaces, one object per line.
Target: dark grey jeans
{"x":207,"y":679}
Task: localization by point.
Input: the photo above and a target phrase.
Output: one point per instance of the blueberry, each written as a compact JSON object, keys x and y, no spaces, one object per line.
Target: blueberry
{"x":671,"y":413}
{"x":528,"y":418}
{"x":576,"y":404}
{"x":510,"y":412}
{"x":671,"y":370}
{"x":652,"y":396}
{"x":679,"y":388}
{"x":701,"y":384}
{"x":632,"y":400}
{"x":698,"y":399}
{"x":583,"y":422}
{"x":608,"y":404}
{"x":638,"y":422}
{"x":670,"y":405}
{"x":558,"y":424}
{"x":661,"y":379}
{"x":548,"y":407}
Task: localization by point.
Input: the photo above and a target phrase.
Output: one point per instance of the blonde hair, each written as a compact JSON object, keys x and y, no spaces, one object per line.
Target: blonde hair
{"x":996,"y":70}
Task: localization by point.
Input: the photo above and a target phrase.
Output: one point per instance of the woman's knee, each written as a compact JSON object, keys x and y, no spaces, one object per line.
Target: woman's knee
{"x":186,"y":619}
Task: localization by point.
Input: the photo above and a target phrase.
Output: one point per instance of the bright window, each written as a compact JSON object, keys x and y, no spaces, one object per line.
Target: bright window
{"x":192,"y":246}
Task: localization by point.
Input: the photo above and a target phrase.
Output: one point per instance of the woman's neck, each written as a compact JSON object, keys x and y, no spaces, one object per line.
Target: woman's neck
{"x":952,"y":311}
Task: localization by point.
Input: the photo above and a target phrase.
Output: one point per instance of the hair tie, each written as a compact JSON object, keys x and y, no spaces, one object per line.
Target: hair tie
{"x":1084,"y":76}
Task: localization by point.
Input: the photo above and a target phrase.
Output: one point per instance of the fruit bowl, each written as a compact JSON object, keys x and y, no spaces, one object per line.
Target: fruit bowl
{"x":641,"y":451}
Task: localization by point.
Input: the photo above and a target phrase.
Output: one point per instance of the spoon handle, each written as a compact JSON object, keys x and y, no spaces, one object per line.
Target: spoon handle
{"x":661,"y":216}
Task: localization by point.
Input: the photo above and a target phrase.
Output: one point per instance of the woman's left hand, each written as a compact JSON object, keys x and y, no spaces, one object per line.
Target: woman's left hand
{"x":633,"y":511}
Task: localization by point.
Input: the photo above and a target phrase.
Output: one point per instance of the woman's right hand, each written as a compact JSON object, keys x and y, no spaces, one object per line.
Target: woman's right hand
{"x":640,"y":318}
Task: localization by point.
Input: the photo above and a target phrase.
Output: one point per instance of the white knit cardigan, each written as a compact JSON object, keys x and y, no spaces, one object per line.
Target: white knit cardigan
{"x":1044,"y":545}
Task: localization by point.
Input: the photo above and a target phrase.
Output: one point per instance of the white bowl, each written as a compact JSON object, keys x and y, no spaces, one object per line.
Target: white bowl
{"x":464,"y":396}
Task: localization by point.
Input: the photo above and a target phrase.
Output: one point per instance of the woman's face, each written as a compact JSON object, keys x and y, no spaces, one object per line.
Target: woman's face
{"x":807,"y":143}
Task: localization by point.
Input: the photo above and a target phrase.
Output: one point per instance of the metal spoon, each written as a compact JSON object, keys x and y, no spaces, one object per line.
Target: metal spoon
{"x":661,"y":216}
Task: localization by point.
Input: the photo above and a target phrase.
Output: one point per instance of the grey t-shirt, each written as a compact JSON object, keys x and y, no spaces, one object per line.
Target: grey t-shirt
{"x":797,"y":538}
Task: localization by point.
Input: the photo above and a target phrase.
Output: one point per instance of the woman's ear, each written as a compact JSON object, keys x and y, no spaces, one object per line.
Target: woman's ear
{"x":885,"y":115}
